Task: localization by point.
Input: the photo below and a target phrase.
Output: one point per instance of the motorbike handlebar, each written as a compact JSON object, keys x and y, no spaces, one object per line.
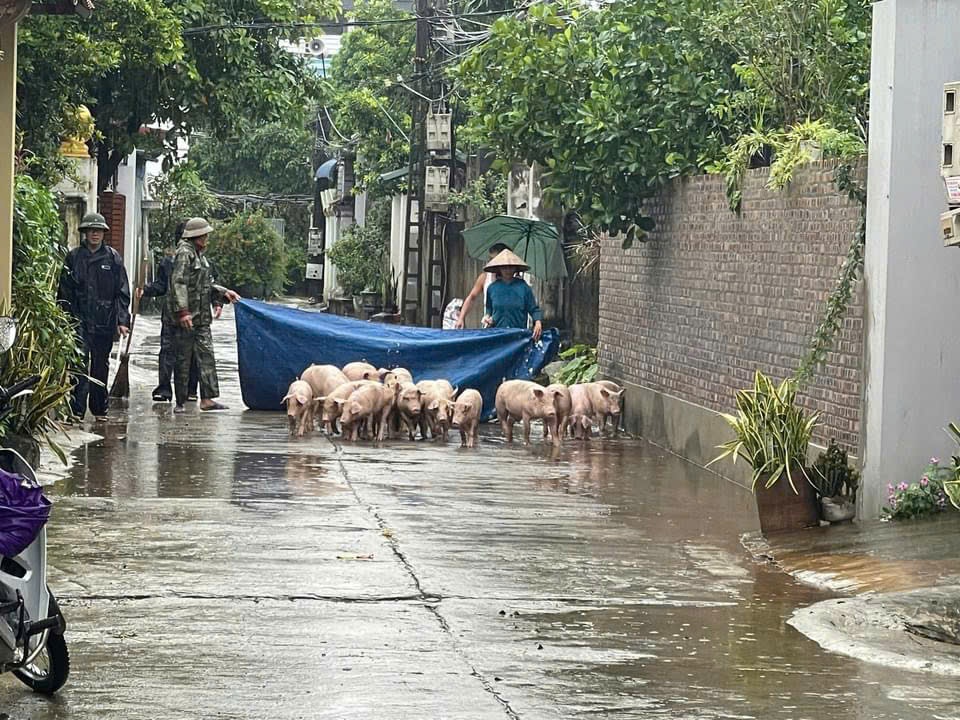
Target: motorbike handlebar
{"x":16,"y":388}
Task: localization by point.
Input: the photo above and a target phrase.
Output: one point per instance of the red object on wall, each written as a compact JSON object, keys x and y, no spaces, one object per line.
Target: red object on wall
{"x":113,"y":207}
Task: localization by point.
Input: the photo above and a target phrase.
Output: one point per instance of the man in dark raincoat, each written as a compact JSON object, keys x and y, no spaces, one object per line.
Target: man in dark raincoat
{"x":192,"y":296}
{"x":95,"y":291}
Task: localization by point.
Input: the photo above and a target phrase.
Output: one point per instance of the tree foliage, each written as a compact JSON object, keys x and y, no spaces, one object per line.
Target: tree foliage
{"x":361,"y":256}
{"x":182,"y":194}
{"x":272,"y":158}
{"x":249,"y":255}
{"x":137,"y":63}
{"x":611,"y":101}
{"x":370,"y":111}
{"x":797,"y":60}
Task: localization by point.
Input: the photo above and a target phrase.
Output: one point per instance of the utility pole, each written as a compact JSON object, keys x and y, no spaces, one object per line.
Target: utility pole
{"x":411,"y":276}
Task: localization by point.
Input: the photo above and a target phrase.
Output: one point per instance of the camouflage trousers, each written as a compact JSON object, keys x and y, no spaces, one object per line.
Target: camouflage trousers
{"x":189,"y":344}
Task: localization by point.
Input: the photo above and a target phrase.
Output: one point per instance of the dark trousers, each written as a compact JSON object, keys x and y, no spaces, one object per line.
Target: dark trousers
{"x":167,"y":361}
{"x":96,"y":364}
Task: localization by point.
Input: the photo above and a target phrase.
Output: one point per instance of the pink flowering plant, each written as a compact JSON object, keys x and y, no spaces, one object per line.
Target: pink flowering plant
{"x":922,"y":498}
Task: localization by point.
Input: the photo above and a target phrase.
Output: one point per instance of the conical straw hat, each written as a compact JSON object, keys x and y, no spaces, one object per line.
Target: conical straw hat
{"x":507,"y":258}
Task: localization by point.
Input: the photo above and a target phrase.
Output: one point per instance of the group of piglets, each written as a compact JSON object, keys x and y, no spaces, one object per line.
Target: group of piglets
{"x":563,"y":409}
{"x":363,"y":401}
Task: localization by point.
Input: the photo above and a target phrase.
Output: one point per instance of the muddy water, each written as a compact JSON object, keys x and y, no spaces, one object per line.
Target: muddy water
{"x":211,"y":567}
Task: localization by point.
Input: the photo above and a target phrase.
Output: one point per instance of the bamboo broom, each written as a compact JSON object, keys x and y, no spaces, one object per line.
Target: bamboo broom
{"x":121,"y":383}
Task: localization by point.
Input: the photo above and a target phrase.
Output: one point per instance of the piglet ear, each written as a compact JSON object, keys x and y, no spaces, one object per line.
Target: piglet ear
{"x":605,"y":392}
{"x":538,"y":392}
{"x":340,"y":403}
{"x":434,"y":405}
{"x":285,"y":398}
{"x":302,"y":399}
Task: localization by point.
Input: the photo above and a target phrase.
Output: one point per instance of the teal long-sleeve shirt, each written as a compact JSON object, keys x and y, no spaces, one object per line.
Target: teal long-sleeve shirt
{"x":510,"y":303}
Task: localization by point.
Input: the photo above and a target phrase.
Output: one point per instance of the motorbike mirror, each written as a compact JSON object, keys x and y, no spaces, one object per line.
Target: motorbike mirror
{"x":8,"y":332}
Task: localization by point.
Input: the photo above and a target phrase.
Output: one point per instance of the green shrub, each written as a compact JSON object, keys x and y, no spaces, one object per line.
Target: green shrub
{"x":362,"y":254}
{"x":249,"y":255}
{"x":581,"y":366}
{"x":45,"y":344}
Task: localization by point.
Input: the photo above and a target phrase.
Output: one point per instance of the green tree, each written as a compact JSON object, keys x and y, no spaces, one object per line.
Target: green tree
{"x":798,"y":60}
{"x":272,"y":158}
{"x":269,"y":160}
{"x":362,"y":254}
{"x":177,"y":63}
{"x":182,"y":194}
{"x":370,"y":111}
{"x":612,"y":102}
{"x":249,"y":255}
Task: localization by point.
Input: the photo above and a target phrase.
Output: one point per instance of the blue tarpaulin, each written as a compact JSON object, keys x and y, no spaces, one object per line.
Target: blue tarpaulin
{"x":275,"y":344}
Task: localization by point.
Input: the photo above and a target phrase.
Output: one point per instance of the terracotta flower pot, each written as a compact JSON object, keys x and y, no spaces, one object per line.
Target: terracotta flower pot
{"x":781,"y":509}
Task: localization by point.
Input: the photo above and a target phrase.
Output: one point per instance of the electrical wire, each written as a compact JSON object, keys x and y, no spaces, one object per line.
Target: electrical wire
{"x":333,"y":24}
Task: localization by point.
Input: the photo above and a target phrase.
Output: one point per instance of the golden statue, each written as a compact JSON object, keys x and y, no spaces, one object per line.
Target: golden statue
{"x":76,"y":145}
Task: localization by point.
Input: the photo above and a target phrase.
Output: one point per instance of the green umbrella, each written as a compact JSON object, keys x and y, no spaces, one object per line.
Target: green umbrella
{"x":536,"y":241}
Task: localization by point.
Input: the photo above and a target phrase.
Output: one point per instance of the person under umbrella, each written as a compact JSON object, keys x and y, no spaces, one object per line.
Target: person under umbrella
{"x":483,"y":281}
{"x":510,"y":300}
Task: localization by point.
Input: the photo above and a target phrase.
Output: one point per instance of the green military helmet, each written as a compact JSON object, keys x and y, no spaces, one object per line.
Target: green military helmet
{"x":196,"y":227}
{"x":93,"y":221}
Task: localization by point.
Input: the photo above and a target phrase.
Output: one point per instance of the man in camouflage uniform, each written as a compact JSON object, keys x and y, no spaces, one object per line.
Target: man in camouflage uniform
{"x":192,"y":295}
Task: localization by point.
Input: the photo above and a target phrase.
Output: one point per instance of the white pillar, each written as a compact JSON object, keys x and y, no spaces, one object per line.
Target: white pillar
{"x":912,"y":283}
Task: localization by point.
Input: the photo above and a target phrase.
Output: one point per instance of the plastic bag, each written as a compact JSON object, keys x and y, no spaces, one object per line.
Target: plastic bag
{"x":24,"y":511}
{"x":452,"y":313}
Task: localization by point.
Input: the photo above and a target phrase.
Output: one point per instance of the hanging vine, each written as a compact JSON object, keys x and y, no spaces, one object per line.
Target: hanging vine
{"x":851,"y":270}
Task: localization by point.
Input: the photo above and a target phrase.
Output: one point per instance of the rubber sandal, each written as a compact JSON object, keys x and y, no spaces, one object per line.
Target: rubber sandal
{"x":215,"y":406}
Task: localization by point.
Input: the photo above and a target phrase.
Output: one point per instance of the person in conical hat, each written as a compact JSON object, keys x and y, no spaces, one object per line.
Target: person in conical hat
{"x":479,"y":289}
{"x":510,"y":301}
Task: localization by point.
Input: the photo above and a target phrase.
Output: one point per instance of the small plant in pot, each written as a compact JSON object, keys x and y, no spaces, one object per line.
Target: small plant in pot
{"x":836,"y":484}
{"x":773,"y":435}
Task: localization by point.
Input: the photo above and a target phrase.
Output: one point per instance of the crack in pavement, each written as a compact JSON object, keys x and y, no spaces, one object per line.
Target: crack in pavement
{"x":431,"y":601}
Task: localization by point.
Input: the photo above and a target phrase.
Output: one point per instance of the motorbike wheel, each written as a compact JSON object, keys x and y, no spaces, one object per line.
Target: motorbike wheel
{"x":49,"y":672}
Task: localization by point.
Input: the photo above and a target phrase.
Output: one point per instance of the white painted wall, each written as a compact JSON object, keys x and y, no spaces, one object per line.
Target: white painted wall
{"x":912,"y":388}
{"x":127,"y":186}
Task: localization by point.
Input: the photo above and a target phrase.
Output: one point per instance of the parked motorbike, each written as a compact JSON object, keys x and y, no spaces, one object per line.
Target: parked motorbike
{"x":32,"y":645}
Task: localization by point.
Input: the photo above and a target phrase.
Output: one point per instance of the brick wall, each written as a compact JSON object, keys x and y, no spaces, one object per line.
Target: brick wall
{"x":113,"y":207}
{"x":712,"y":296}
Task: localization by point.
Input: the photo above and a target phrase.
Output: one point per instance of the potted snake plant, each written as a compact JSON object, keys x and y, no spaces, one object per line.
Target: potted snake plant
{"x":772,"y":433}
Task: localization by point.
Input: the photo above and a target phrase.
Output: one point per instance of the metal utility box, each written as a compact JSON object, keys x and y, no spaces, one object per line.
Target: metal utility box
{"x":438,"y":132}
{"x":314,"y":241}
{"x":436,"y":193}
{"x":314,"y":271}
{"x":950,"y":226}
{"x":950,"y":149}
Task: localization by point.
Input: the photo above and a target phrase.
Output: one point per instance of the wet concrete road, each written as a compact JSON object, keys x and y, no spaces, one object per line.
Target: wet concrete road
{"x":210,"y":567}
